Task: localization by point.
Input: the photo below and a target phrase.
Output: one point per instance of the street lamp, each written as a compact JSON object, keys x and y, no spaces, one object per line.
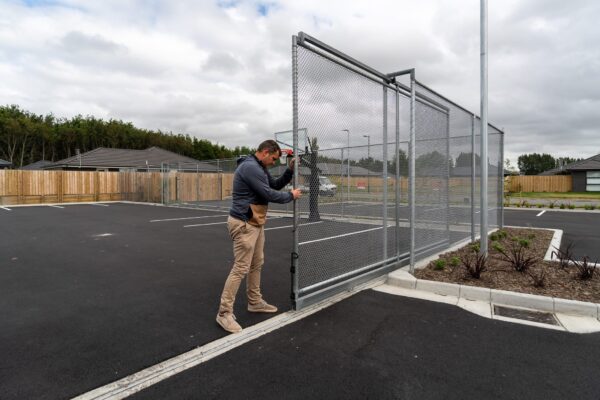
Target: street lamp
{"x":348,"y":180}
{"x":369,"y":162}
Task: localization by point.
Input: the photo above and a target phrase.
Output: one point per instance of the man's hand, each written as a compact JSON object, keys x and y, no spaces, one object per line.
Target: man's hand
{"x":292,"y":163}
{"x":296,"y":193}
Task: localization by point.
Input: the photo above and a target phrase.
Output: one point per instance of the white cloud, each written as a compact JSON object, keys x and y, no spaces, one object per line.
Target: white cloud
{"x":221,"y":70}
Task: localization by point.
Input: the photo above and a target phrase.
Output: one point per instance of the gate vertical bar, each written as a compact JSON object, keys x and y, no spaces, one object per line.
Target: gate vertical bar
{"x":473,"y":166}
{"x":501,"y":194}
{"x":385,"y":173}
{"x":411,"y":168}
{"x":294,"y":255}
{"x":398,"y":179}
{"x":483,"y":247}
{"x":448,"y":176}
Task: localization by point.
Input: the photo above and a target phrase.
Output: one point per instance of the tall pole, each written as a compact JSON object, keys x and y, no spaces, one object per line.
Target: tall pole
{"x":369,"y":161}
{"x":348,"y":174}
{"x":483,"y":249}
{"x":411,"y":171}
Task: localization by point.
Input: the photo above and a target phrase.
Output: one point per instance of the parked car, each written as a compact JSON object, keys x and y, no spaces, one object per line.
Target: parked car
{"x":326,"y":187}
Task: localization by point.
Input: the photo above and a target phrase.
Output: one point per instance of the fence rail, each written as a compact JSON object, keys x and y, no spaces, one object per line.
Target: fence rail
{"x":536,"y":183}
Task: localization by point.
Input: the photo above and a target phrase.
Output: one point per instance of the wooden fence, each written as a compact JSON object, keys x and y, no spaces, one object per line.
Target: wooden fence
{"x":537,"y":183}
{"x":35,"y":187}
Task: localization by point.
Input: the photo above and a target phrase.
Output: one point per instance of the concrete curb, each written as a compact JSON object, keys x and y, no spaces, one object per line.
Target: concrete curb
{"x":403,"y":279}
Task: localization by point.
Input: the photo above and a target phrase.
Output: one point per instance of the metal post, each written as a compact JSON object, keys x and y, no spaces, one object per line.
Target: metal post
{"x":501,"y":194}
{"x":473,"y":169}
{"x":348,"y":172}
{"x":484,"y":134}
{"x":411,"y":169}
{"x":294,"y":255}
{"x":197,"y":184}
{"x":368,"y":160}
{"x":385,"y":175}
{"x":342,"y":179}
{"x":448,"y":159}
{"x":398,"y":179}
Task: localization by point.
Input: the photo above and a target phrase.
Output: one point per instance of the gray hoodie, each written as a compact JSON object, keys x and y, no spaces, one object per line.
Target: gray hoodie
{"x":252,"y":184}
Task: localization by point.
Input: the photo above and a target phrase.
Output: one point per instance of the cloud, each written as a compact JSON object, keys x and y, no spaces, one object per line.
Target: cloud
{"x":221,"y":70}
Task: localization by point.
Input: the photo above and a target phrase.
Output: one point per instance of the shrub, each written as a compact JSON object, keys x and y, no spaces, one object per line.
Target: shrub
{"x":551,"y":204}
{"x":454,"y":261}
{"x":564,"y":255}
{"x":587,"y":207}
{"x":517,"y":254}
{"x":475,"y":247}
{"x":439,"y":264}
{"x":540,"y":205}
{"x":585,"y":269}
{"x":494,"y":236}
{"x":563,"y":206}
{"x":538,"y":278}
{"x":502,"y":233}
{"x":571,"y":206}
{"x":592,"y":206}
{"x":475,"y":264}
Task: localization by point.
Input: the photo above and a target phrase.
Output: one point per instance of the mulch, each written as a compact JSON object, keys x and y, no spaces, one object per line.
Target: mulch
{"x":561,"y":282}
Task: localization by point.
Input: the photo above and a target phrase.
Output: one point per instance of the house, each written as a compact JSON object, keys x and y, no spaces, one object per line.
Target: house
{"x":585,"y":173}
{"x":38,"y":165}
{"x":151,"y":159}
{"x":5,"y":164}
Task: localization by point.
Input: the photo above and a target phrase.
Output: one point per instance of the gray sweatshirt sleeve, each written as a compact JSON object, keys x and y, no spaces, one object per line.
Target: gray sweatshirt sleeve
{"x":256,"y":178}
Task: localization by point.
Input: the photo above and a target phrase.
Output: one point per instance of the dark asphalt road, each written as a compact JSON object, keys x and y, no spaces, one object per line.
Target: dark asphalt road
{"x":81,"y":308}
{"x":380,"y":346}
{"x":580,"y":228}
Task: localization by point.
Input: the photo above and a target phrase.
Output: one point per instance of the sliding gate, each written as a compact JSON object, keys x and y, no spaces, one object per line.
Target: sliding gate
{"x":375,"y":164}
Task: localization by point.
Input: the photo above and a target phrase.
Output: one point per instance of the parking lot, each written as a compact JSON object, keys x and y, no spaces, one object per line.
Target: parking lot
{"x":94,"y":293}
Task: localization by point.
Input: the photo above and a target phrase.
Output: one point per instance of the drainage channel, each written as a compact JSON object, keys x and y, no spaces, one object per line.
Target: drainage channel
{"x":540,"y":317}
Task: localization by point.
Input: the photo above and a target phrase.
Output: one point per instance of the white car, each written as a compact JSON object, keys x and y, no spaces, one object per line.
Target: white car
{"x":326,"y":187}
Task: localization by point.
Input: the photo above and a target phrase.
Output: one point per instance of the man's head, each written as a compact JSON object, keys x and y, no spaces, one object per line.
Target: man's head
{"x":268,"y":152}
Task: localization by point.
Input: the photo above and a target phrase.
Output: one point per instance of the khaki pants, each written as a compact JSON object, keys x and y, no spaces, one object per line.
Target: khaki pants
{"x":248,"y":245}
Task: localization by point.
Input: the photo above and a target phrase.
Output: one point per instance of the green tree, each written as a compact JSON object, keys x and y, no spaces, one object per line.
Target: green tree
{"x":534,"y":163}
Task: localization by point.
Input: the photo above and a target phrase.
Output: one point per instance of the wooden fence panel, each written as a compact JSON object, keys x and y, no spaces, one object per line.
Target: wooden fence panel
{"x":537,"y":183}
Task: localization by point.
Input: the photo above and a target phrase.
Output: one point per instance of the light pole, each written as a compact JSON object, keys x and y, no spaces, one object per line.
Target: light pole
{"x":369,"y":162}
{"x":348,"y":155}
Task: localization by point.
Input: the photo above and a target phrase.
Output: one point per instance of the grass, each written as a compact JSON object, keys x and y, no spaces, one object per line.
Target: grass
{"x":557,"y":195}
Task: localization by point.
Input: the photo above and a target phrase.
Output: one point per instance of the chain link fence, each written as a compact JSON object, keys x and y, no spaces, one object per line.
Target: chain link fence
{"x":390,"y":173}
{"x":403,"y":160}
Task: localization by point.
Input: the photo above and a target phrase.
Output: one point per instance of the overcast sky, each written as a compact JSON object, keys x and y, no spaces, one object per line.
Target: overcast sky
{"x":221,"y":69}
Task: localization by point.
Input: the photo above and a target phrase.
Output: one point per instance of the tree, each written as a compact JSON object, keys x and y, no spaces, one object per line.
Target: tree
{"x":533,"y":164}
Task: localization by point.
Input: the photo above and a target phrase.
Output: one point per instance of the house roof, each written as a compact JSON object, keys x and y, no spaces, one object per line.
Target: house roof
{"x":102,"y":157}
{"x":589,"y":164}
{"x":5,"y":163}
{"x":42,"y":164}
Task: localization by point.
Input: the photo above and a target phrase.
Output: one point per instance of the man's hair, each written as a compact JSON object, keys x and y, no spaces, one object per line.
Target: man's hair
{"x":270,"y":145}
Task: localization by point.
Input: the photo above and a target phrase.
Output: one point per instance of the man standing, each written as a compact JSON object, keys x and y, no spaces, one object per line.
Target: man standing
{"x":253,"y":189}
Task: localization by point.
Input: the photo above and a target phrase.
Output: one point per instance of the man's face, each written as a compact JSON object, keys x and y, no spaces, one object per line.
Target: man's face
{"x":269,"y":159}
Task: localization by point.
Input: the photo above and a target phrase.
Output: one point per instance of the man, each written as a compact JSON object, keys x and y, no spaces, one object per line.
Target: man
{"x":253,"y":189}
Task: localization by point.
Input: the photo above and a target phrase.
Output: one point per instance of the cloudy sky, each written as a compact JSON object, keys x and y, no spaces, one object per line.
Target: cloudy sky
{"x":221,"y":69}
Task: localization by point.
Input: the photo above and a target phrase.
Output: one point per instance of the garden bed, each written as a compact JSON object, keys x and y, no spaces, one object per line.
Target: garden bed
{"x":541,"y":278}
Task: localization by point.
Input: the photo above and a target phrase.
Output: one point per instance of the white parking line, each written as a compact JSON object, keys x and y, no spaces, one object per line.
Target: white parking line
{"x":541,"y":213}
{"x":339,"y":236}
{"x":98,"y":204}
{"x":212,"y":223}
{"x":184,"y":218}
{"x":218,"y":223}
{"x":50,"y":205}
{"x":291,"y":226}
{"x":4,"y":208}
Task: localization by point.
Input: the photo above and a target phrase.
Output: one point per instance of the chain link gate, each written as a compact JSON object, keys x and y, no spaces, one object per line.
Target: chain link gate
{"x":392,"y":153}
